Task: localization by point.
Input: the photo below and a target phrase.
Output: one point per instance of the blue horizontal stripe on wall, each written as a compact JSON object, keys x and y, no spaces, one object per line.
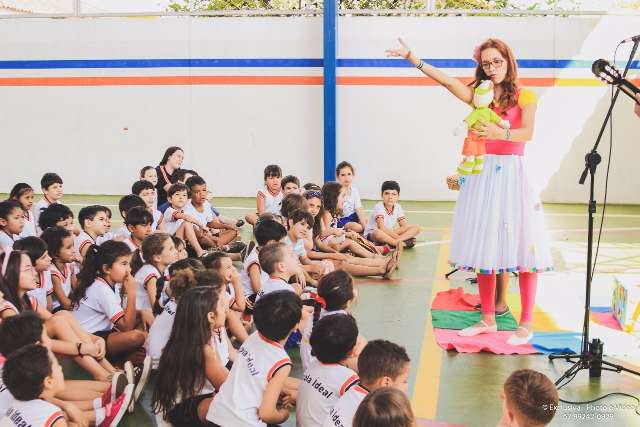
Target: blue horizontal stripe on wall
{"x":276,"y":62}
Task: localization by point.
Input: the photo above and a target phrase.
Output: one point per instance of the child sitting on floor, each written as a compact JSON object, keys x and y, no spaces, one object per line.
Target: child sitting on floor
{"x":353,"y":218}
{"x":290,"y":184}
{"x":93,"y":220}
{"x":387,"y":224}
{"x":529,"y":399}
{"x":269,"y":198}
{"x":177,"y":222}
{"x":63,"y":275}
{"x":11,"y":223}
{"x":138,"y":223}
{"x":23,"y":193}
{"x":57,"y":215}
{"x":147,"y":192}
{"x":52,"y":192}
{"x":280,"y":262}
{"x":385,"y":407}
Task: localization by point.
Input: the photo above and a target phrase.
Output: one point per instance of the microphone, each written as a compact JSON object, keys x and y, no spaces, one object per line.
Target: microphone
{"x":631,"y":39}
{"x":609,"y":74}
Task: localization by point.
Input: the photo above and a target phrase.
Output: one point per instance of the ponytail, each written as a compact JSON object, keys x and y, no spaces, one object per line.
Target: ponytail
{"x":136,"y":261}
{"x":178,"y":283}
{"x":94,"y":261}
{"x":151,"y":246}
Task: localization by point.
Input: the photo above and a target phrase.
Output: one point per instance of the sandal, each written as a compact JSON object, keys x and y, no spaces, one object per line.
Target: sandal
{"x":392,"y":263}
{"x":516,"y":340}
{"x":472,"y":331}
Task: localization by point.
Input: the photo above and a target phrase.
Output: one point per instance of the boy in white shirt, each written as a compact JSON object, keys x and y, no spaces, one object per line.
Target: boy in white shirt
{"x":146,"y":190}
{"x":52,"y":192}
{"x":59,"y":215}
{"x":138,"y":222}
{"x":199,"y":208}
{"x":258,"y":390}
{"x":380,"y":364}
{"x":269,"y":198}
{"x":124,"y":205}
{"x":290,"y":184}
{"x":333,"y":342}
{"x":280,"y":262}
{"x":93,"y":220}
{"x":179,"y":223}
{"x":388,"y":224}
{"x":300,"y":223}
{"x":353,"y":217}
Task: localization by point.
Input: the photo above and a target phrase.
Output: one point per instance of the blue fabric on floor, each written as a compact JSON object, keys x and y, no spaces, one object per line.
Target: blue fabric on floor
{"x":600,"y":309}
{"x":557,"y":342}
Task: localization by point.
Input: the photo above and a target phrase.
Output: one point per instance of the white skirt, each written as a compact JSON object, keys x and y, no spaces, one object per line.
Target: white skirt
{"x":498,"y":223}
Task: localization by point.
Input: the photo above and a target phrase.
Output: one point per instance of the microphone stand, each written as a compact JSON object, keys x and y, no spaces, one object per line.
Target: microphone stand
{"x":590,"y":356}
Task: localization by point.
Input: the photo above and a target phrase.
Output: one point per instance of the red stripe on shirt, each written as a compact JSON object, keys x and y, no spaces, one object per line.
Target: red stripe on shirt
{"x":353,"y":379}
{"x":119,"y":315}
{"x":53,"y":418}
{"x":279,"y":364}
{"x":83,"y":244}
{"x":149,"y":277}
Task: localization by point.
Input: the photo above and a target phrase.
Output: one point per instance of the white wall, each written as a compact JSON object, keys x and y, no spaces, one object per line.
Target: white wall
{"x":97,"y":137}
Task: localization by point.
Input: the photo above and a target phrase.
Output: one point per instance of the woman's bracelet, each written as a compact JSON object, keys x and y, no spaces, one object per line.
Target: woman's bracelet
{"x":420,"y":65}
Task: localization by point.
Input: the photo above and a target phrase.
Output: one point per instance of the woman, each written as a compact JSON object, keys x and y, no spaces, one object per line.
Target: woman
{"x":498,"y":223}
{"x":171,"y":161}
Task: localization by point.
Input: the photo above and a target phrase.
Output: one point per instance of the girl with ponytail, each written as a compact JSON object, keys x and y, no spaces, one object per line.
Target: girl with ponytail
{"x":96,"y":302}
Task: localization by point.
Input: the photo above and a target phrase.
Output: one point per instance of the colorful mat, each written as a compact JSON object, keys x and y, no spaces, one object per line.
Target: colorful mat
{"x":453,"y":310}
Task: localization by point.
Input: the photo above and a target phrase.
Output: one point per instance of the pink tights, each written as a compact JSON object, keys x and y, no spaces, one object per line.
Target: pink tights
{"x":527,"y":282}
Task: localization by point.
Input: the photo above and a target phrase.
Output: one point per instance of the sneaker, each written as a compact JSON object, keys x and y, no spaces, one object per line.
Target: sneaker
{"x":128,"y":370}
{"x":410,"y":243}
{"x":116,"y":410}
{"x":236,"y":247}
{"x":239,"y":223}
{"x":118,"y":384}
{"x":247,"y":250}
{"x":142,"y":374}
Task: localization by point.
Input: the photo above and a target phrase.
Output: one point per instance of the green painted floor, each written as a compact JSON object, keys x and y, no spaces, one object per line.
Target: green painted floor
{"x":467,"y":386}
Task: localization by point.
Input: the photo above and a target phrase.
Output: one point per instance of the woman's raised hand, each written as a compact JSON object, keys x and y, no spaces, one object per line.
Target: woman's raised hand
{"x":402,"y":52}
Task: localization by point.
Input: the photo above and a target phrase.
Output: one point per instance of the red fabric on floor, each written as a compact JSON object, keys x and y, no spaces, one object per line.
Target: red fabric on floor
{"x":494,"y":343}
{"x":455,"y":299}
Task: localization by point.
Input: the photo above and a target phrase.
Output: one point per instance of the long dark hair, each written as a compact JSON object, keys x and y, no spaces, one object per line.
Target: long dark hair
{"x":95,"y":259}
{"x":168,"y":153}
{"x":11,"y":281}
{"x":181,"y":371}
{"x":330,"y":193}
{"x":317,"y":225}
{"x":19,"y":190}
{"x":335,"y":290}
{"x":509,"y":96}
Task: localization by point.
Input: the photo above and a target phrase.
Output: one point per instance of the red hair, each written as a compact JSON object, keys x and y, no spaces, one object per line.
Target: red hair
{"x":510,"y":85}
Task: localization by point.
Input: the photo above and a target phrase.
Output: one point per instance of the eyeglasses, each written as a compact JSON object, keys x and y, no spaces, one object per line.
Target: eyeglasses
{"x":497,"y":63}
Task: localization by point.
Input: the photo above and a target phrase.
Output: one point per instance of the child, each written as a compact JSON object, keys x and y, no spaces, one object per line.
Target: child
{"x":290,"y":184}
{"x":177,"y":222}
{"x":100,"y":403}
{"x":292,"y":202}
{"x":158,"y":252}
{"x":146,"y":190}
{"x":52,"y":192}
{"x":183,"y":278}
{"x":127,"y":202}
{"x":37,"y":250}
{"x":62,"y":271}
{"x":11,"y":222}
{"x":385,"y":407}
{"x":529,"y":399}
{"x":336,"y":295}
{"x":96,"y":302}
{"x":190,"y":368}
{"x":353,"y":218}
{"x":252,"y":276}
{"x":199,"y":208}
{"x":300,"y":222}
{"x":148,"y":173}
{"x":258,"y":390}
{"x":180,"y":176}
{"x":280,"y":262}
{"x":269,"y":198}
{"x":93,"y":220}
{"x":387,"y":223}
{"x":139,"y":222}
{"x":56,"y":215}
{"x":333,"y":341}
{"x":380,"y":364}
{"x":23,"y":193}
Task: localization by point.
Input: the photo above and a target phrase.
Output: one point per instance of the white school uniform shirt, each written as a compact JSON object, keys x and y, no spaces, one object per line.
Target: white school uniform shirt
{"x":36,"y":413}
{"x":157,"y":219}
{"x":273,"y":284}
{"x":220,"y":341}
{"x":251,"y":259}
{"x":390,"y":218}
{"x":204,"y":217}
{"x":101,"y":307}
{"x":305,"y":344}
{"x":131,"y":244}
{"x":237,"y":402}
{"x":342,"y":413}
{"x":298,"y":246}
{"x":83,"y":239}
{"x":41,"y":205}
{"x":122,"y":232}
{"x":6,"y":398}
{"x":29,"y":226}
{"x":159,"y":333}
{"x":272,"y":202}
{"x":321,"y":387}
{"x":65,"y":280}
{"x":44,"y":289}
{"x":142,"y":276}
{"x":351,"y":202}
{"x":6,"y":241}
{"x":105,"y":238}
{"x":171,"y":223}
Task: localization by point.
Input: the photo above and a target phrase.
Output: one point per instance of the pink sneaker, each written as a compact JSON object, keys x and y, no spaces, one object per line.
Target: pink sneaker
{"x":116,"y":410}
{"x":118,"y":384}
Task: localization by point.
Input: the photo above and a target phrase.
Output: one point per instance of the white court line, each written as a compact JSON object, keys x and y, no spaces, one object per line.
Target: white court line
{"x":573,"y":215}
{"x":434,"y":243}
